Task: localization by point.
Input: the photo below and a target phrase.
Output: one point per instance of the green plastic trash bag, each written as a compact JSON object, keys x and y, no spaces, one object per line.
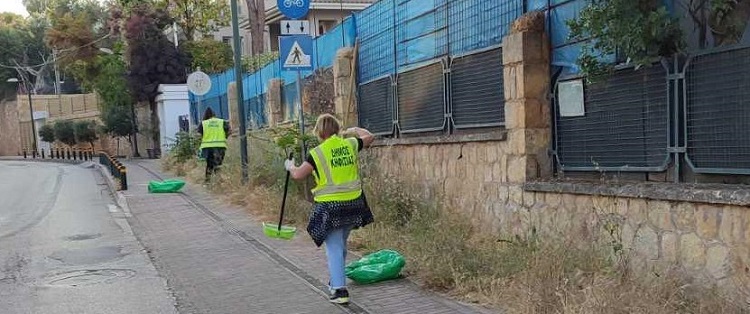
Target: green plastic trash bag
{"x":376,"y":267}
{"x":166,"y":186}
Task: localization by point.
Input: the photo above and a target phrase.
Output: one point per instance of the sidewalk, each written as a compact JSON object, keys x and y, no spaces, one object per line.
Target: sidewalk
{"x":217,"y":260}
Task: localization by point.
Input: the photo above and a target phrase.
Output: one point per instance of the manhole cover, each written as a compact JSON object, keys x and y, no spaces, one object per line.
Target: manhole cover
{"x":89,"y":277}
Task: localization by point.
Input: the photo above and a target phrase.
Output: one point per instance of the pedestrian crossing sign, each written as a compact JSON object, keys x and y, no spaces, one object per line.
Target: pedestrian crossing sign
{"x":296,"y":52}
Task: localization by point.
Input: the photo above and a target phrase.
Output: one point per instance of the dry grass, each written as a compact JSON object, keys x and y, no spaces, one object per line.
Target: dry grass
{"x":526,"y":274}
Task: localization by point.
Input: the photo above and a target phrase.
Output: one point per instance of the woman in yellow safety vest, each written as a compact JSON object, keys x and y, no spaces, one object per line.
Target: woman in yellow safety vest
{"x":214,"y":133}
{"x":340,"y":205}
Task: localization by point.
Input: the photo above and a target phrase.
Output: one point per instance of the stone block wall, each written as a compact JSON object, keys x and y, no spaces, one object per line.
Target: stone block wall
{"x":344,"y":86}
{"x":503,"y":182}
{"x":10,"y":136}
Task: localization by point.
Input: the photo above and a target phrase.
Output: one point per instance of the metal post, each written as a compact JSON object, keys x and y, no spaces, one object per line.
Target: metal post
{"x":238,"y":82}
{"x":301,"y":117}
{"x":31,"y":114}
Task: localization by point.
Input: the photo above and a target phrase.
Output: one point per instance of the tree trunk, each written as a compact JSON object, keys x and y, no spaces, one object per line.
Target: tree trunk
{"x":256,"y":10}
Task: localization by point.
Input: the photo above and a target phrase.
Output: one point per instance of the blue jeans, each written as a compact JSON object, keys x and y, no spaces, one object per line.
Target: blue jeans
{"x":336,"y":252}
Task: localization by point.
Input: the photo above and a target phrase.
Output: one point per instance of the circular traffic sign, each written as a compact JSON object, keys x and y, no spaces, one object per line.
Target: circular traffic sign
{"x":199,"y":83}
{"x":293,"y":9}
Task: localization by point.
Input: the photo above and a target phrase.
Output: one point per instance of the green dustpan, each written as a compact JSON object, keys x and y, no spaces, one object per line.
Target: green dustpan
{"x":284,"y":233}
{"x":279,"y":231}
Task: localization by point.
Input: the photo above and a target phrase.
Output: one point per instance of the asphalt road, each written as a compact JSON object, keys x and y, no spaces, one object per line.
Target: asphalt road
{"x":66,"y":248}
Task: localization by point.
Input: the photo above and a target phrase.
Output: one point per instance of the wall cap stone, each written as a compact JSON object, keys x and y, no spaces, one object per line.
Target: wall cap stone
{"x":724,"y":194}
{"x":444,"y":139}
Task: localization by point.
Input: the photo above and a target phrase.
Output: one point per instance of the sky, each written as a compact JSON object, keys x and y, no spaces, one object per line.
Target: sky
{"x":15,"y":6}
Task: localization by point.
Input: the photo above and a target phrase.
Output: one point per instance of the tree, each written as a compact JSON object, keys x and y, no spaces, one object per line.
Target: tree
{"x":210,"y":55}
{"x":256,"y":11}
{"x":639,"y":31}
{"x":13,"y":38}
{"x":65,"y":132}
{"x":116,"y":110}
{"x":47,"y":133}
{"x":23,"y":53}
{"x":117,"y":122}
{"x":154,"y":60}
{"x":197,"y":16}
{"x":86,"y":132}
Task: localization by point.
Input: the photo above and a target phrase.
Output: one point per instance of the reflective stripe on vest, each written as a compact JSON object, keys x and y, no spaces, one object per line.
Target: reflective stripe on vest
{"x":213,"y":134}
{"x":327,"y":188}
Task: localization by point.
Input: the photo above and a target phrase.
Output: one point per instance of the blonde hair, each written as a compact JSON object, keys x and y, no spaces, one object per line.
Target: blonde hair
{"x":327,"y":126}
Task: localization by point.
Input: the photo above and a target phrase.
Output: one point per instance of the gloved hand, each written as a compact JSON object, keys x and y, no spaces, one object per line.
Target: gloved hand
{"x":288,"y":164}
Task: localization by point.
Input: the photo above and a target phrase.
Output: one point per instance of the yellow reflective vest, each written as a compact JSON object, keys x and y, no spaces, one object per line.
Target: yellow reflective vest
{"x":337,"y":178}
{"x":213,"y":134}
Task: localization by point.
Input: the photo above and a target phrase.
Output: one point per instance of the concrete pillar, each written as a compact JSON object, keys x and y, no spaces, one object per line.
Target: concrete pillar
{"x":527,"y":112}
{"x":273,"y":102}
{"x":234,"y":118}
{"x":344,"y":83}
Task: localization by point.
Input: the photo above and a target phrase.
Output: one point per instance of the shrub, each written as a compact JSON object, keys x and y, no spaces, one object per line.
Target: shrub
{"x":186,"y":146}
{"x":86,"y":132}
{"x":47,"y":133}
{"x":65,"y":132}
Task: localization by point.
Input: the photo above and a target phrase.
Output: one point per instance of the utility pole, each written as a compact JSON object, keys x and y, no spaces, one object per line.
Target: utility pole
{"x":238,"y":86}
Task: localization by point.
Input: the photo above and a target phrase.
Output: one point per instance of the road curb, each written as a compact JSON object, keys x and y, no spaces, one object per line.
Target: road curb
{"x":119,"y":197}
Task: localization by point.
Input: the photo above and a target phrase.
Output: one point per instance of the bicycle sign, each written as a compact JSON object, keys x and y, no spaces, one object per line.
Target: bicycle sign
{"x":293,"y":9}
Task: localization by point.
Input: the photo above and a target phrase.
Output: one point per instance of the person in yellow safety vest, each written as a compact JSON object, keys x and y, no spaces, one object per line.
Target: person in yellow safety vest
{"x":214,"y":133}
{"x":340,"y":204}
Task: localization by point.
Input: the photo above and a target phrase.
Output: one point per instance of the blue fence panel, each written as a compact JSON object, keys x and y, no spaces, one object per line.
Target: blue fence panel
{"x":421,"y":30}
{"x":477,"y":24}
{"x":289,"y":101}
{"x":375,"y":28}
{"x":326,"y":46}
{"x":256,"y":112}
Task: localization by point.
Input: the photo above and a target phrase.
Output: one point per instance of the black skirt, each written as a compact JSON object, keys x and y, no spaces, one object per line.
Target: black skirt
{"x":329,"y":216}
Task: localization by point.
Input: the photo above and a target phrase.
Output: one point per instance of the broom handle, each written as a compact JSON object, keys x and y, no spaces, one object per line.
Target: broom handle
{"x":286,"y":189}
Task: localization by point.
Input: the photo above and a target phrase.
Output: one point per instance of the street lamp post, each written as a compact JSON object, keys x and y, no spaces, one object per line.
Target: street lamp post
{"x":31,"y":113}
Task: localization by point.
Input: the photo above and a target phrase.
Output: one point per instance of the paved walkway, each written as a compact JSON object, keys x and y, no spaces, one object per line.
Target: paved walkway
{"x":216,"y":259}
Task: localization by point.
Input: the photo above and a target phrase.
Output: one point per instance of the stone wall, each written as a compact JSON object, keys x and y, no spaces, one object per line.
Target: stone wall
{"x":10,"y":136}
{"x":74,"y":108}
{"x":503,"y":182}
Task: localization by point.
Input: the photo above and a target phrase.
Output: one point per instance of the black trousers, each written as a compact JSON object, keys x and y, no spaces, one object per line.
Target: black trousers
{"x":214,"y":159}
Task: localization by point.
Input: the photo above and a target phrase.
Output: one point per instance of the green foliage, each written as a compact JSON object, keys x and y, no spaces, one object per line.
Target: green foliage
{"x":197,"y":16}
{"x":288,"y":139}
{"x":209,"y":55}
{"x":639,"y":31}
{"x":47,"y":133}
{"x":117,"y":121}
{"x":257,"y":62}
{"x":22,"y":43}
{"x":186,"y":146}
{"x":86,"y":132}
{"x":65,"y":132}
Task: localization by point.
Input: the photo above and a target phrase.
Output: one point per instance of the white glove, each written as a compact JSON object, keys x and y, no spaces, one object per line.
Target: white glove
{"x":288,"y":164}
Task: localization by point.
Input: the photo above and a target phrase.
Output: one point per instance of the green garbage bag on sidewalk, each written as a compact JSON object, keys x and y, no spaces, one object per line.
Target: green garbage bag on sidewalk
{"x":166,"y":186}
{"x":376,"y":267}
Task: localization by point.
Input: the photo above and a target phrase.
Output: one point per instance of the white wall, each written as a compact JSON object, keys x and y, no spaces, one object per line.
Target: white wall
{"x":171,"y":104}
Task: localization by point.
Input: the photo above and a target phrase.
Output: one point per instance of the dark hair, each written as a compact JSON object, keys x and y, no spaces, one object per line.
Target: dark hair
{"x":208,"y":114}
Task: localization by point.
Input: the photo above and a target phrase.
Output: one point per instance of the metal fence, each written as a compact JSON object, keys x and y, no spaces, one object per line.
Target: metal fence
{"x":256,"y":112}
{"x":218,"y":104}
{"x":625,"y":125}
{"x":444,"y":59}
{"x":289,"y":101}
{"x":421,"y":99}
{"x":693,"y":111}
{"x":717,"y":111}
